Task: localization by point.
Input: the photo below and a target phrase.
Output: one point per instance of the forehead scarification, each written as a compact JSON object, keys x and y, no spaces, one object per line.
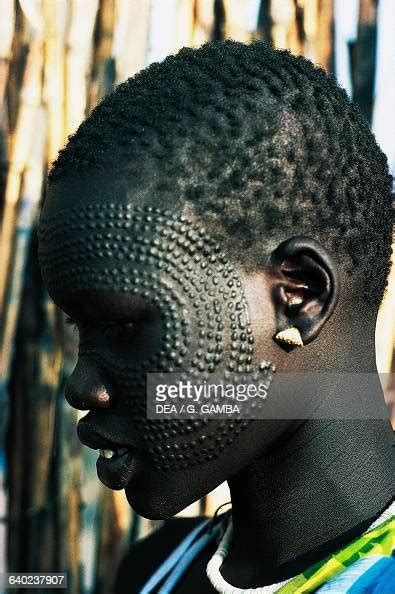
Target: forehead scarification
{"x":107,"y":245}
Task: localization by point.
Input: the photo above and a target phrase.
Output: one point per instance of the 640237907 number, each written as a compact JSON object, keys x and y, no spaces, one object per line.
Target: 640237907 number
{"x":34,"y":580}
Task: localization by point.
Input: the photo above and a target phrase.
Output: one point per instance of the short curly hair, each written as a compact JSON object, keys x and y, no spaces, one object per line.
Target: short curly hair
{"x":262,"y":143}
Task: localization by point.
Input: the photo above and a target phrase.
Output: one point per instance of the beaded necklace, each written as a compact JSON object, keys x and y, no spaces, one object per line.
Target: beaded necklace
{"x":377,"y":540}
{"x":370,"y":554}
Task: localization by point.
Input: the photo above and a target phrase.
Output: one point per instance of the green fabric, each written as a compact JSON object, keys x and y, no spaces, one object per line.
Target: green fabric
{"x":378,"y":541}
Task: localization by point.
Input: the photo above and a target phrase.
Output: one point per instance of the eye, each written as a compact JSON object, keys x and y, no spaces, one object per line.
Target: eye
{"x":121,"y":331}
{"x":78,"y":325}
{"x":71,"y":321}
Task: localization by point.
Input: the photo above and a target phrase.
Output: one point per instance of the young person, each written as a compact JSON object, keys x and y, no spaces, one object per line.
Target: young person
{"x":228,"y":210}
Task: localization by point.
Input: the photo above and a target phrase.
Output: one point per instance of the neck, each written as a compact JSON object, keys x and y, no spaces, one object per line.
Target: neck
{"x":307,"y":497}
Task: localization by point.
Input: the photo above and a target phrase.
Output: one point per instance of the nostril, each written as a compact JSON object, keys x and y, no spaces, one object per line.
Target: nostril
{"x":103,"y":397}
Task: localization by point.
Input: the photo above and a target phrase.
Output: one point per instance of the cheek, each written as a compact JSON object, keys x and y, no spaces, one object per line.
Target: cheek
{"x":199,"y":337}
{"x":207,"y":334}
{"x":167,"y":444}
{"x":131,"y":348}
{"x":262,"y":314}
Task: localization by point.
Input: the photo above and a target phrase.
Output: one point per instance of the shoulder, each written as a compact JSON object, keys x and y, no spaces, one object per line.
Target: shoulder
{"x":146,"y":554}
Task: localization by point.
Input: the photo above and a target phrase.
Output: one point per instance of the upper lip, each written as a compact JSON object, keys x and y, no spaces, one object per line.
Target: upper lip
{"x":90,"y":437}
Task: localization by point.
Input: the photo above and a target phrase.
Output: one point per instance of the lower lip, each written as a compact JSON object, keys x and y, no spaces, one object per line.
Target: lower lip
{"x":118,"y":471}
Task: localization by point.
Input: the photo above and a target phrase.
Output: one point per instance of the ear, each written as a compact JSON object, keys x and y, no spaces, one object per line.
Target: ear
{"x":305,"y":286}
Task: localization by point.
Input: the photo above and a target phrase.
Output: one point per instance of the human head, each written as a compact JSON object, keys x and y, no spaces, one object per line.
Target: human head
{"x":256,"y":147}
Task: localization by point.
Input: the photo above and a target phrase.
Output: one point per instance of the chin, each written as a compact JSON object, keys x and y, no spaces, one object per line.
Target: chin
{"x":155,"y":504}
{"x":158,"y":495}
{"x":152,"y":510}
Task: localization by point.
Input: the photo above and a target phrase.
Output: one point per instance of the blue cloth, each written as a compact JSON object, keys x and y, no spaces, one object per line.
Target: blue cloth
{"x":386,"y":582}
{"x":173,"y":559}
{"x":187,"y":559}
{"x":371,"y":575}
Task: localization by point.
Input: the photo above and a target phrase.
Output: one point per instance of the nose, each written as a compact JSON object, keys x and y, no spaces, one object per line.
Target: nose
{"x":85,"y":388}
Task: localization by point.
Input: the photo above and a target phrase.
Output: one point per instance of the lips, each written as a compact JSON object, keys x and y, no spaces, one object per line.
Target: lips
{"x":117,"y":464}
{"x":109,"y":454}
{"x":117,"y":472}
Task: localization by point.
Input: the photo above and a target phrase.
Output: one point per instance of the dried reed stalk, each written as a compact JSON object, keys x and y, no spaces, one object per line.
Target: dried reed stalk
{"x":79,"y":50}
{"x":20,"y":153}
{"x":68,"y":497}
{"x":55,"y":19}
{"x":283,"y":18}
{"x":103,"y":71}
{"x":130,"y":46}
{"x":114,"y":526}
{"x":310,"y":26}
{"x":7,"y":24}
{"x":184,"y":24}
{"x":27,"y":213}
{"x":238,"y":19}
{"x":204,"y":21}
{"x":324,"y":40}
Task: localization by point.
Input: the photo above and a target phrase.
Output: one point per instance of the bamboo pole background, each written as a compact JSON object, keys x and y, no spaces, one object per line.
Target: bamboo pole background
{"x":58,"y":59}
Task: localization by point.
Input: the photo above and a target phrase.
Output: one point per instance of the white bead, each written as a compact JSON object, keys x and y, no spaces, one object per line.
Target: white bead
{"x":217,"y":580}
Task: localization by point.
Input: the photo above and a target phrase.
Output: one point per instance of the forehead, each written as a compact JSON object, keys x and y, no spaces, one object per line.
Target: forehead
{"x":122,"y":247}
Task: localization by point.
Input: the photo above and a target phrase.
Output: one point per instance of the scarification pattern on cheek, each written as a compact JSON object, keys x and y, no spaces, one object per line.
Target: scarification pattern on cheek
{"x":172,"y":263}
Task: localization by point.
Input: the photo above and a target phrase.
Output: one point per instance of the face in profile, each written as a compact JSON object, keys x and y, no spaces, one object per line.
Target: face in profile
{"x":266,"y":152}
{"x":151,"y":291}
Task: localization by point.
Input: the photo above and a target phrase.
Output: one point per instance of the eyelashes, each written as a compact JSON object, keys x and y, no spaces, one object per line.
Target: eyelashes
{"x":122,"y":331}
{"x":71,"y":321}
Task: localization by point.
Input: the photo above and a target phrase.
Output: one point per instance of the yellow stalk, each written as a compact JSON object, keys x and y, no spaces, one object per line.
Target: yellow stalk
{"x":236,"y":20}
{"x":184,"y":24}
{"x":324,"y":48}
{"x":79,"y":44}
{"x":55,"y":19}
{"x":28,"y":206}
{"x":310,"y":24}
{"x":204,"y":21}
{"x":100,"y":84}
{"x":283,"y":16}
{"x":20,"y":153}
{"x":7,"y":25}
{"x":130,"y":45}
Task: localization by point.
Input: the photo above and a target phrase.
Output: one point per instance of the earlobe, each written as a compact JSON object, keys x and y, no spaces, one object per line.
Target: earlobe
{"x":289,"y":337}
{"x":305,"y":290}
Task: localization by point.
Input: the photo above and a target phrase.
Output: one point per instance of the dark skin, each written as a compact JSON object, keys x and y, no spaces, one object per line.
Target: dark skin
{"x":297,"y":493}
